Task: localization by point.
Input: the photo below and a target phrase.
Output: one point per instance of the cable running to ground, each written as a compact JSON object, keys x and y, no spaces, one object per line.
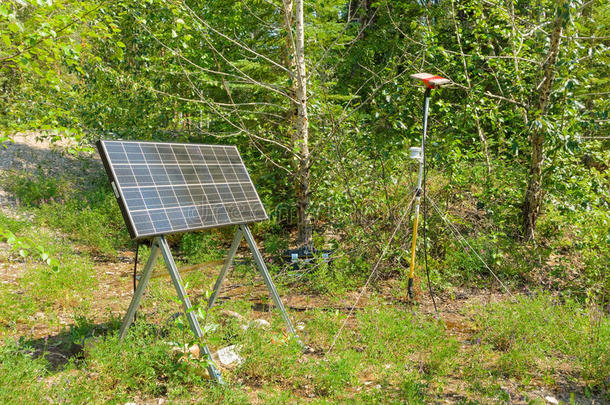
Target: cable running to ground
{"x":463,"y":241}
{"x":383,"y":252}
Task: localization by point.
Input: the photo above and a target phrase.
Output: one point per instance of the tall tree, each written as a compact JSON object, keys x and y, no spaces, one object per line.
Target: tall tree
{"x":533,"y":196}
{"x":300,"y":138}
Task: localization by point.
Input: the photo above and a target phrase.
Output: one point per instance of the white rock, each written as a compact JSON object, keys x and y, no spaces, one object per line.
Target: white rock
{"x":194,"y":350}
{"x":228,"y":355}
{"x":261,"y":323}
{"x":551,"y":400}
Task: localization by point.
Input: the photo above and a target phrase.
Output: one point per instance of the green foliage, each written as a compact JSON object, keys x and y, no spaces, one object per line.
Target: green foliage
{"x":201,"y":247}
{"x":42,"y":48}
{"x":83,"y":208}
{"x":34,"y":190}
{"x":94,"y":221}
{"x":27,"y":247}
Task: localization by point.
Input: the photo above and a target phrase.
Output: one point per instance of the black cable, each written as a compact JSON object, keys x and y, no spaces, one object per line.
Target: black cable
{"x":135,"y":273}
{"x":424,"y":234}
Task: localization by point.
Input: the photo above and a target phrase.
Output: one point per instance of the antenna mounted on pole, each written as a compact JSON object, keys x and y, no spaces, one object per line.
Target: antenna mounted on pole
{"x":431,"y":81}
{"x":419,"y":154}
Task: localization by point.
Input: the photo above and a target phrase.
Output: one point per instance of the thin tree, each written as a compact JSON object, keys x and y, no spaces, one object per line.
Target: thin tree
{"x":298,"y":118}
{"x":533,"y":196}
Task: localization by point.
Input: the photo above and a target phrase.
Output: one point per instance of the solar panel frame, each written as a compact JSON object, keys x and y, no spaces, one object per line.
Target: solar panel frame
{"x":208,"y":190}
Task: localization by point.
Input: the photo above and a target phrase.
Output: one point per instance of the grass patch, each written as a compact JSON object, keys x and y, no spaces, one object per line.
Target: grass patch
{"x":201,"y":247}
{"x":89,"y":215}
{"x":542,"y":336}
{"x":93,"y":220}
{"x":20,"y":375}
{"x":32,"y":190}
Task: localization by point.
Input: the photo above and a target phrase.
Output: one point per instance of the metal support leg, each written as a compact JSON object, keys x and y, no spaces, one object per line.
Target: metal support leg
{"x":262,"y":267}
{"x":422,"y":167}
{"x":137,"y":296}
{"x":188,"y":308}
{"x":225,"y":268}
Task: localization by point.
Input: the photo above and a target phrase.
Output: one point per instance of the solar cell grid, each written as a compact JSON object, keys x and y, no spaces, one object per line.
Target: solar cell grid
{"x":168,"y":187}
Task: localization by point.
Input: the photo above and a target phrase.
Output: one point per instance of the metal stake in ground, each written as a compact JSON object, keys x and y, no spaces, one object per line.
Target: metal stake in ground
{"x":418,"y":153}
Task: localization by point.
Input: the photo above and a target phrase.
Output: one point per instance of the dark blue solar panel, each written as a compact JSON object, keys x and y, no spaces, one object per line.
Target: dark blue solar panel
{"x":167,"y":187}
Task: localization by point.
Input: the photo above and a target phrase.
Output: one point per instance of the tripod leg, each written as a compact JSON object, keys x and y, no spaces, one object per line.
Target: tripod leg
{"x":225,"y":267}
{"x":137,"y":296}
{"x":188,"y":308}
{"x":262,"y":267}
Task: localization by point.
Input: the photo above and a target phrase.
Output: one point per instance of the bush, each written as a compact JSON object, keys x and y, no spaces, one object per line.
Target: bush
{"x":33,"y":190}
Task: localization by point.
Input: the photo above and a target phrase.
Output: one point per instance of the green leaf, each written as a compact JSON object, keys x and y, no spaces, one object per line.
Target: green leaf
{"x":14,"y":27}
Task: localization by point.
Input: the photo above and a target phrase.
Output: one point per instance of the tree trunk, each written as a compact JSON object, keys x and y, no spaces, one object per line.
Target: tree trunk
{"x":300,"y":122}
{"x":533,"y":196}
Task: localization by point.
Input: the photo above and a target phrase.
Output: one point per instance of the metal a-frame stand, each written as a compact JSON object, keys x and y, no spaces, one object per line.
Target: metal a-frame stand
{"x":159,"y":245}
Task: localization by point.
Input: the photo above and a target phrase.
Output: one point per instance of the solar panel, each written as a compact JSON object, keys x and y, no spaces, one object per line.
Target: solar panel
{"x":167,"y":188}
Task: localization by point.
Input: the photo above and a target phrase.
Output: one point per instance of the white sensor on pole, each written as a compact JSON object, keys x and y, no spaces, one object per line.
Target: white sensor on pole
{"x":419,"y":153}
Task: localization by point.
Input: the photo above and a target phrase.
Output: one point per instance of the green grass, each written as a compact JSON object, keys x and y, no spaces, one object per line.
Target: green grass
{"x":386,"y":355}
{"x":200,"y":247}
{"x":21,"y":375}
{"x":540,"y":336}
{"x":35,"y":189}
{"x":40,"y":288}
{"x":87,"y":212}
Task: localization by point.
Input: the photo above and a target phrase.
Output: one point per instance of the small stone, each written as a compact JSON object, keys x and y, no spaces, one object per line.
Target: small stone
{"x":194,"y":350}
{"x":228,"y":355}
{"x":261,"y":323}
{"x":551,"y":400}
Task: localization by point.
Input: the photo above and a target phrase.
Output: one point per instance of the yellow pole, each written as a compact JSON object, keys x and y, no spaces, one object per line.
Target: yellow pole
{"x":413,"y":247}
{"x":422,"y":164}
